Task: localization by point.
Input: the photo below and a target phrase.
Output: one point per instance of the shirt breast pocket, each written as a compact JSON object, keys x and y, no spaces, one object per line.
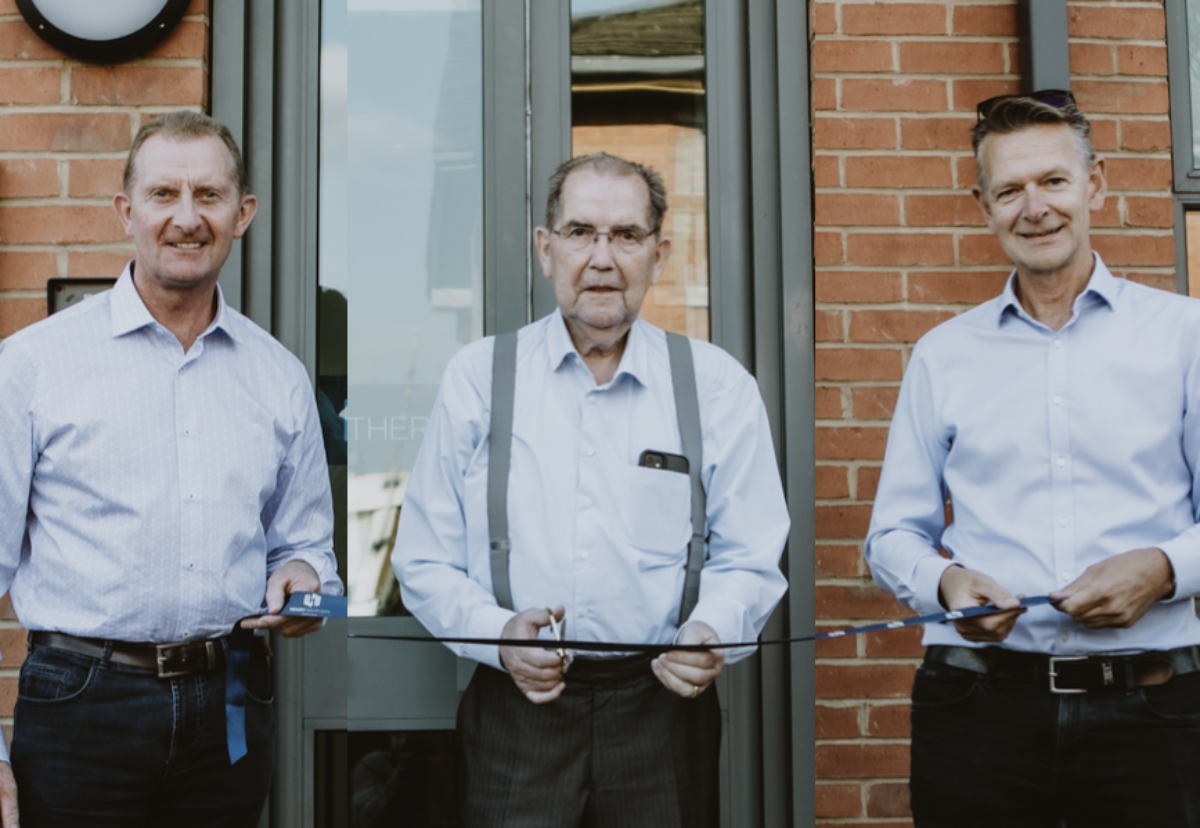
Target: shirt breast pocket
{"x":656,"y":509}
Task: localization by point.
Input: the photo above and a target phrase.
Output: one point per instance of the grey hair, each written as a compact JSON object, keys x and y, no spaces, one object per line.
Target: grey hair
{"x":1014,"y":114}
{"x":186,"y":124}
{"x":607,"y":164}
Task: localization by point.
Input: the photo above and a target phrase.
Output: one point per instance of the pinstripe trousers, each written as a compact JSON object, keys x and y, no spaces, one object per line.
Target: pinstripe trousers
{"x":615,"y":750}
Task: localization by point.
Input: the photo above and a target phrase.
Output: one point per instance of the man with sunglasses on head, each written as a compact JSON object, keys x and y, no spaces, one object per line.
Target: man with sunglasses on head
{"x":1062,"y":422}
{"x":593,"y":533}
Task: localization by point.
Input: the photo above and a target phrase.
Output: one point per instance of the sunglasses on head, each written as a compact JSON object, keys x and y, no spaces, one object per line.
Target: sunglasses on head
{"x":1057,"y":98}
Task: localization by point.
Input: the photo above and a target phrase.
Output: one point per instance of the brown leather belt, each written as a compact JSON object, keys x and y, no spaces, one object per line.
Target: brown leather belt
{"x":164,"y":660}
{"x":1072,"y":674}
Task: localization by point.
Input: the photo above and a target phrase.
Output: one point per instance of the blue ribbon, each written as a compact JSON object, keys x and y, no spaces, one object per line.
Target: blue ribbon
{"x":237,"y":667}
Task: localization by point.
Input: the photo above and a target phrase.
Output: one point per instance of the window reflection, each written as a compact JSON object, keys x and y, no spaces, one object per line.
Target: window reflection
{"x":637,"y":90}
{"x":403,"y":226}
{"x":402,"y":778}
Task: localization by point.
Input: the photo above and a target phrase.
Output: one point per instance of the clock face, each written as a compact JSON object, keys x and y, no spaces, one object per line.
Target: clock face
{"x":107,"y":32}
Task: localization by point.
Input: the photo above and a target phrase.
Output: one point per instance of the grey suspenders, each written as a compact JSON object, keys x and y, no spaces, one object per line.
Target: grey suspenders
{"x":687,"y":409}
{"x":504,"y":383}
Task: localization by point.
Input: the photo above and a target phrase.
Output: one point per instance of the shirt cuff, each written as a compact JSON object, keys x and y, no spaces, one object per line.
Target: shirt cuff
{"x":3,"y":749}
{"x":487,"y":621}
{"x":1181,"y":552}
{"x":726,"y":623}
{"x":325,"y":568}
{"x":927,"y":579}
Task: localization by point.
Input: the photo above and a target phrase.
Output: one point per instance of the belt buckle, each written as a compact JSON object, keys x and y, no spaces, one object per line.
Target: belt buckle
{"x":1054,"y":660}
{"x":161,"y":655}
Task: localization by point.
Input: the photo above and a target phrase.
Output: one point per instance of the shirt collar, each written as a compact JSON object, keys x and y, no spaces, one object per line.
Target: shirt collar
{"x":129,"y":312}
{"x":1102,"y":286}
{"x":633,"y":361}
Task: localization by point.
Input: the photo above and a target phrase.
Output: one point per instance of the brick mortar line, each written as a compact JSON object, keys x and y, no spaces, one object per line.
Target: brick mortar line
{"x":915,"y":270}
{"x":1109,"y":4}
{"x":959,"y":154}
{"x":895,"y":346}
{"x":897,"y":306}
{"x":965,"y":116}
{"x":899,"y":74}
{"x":842,"y":37}
{"x":73,"y":247}
{"x":965,"y":230}
{"x":57,"y":201}
{"x":65,"y":63}
{"x":945,"y":228}
{"x":22,"y":294}
{"x":60,"y":108}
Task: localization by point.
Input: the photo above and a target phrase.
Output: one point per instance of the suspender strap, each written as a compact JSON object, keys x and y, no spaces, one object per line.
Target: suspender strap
{"x":504,"y":381}
{"x":687,"y":410}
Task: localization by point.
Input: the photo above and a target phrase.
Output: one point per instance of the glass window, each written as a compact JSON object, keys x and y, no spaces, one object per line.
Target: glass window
{"x":637,"y":91}
{"x":401,"y":242}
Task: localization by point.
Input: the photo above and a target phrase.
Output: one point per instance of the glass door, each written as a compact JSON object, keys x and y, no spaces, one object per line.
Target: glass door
{"x":402,"y":269}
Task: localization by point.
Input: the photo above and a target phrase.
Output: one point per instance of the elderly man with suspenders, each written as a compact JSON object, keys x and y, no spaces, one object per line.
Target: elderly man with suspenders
{"x":593,"y":471}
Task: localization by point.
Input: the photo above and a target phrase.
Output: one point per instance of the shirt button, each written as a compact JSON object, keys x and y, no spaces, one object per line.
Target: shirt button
{"x":1062,"y":521}
{"x":1060,"y":462}
{"x":187,"y":432}
{"x":1058,"y":343}
{"x":584,"y":503}
{"x":186,"y":634}
{"x":583,"y":613}
{"x":1057,"y":400}
{"x":191,"y":564}
{"x":181,"y":367}
{"x":589,"y":451}
{"x":583,"y":556}
{"x":1065,"y":636}
{"x":1064,"y":576}
{"x":191,"y":496}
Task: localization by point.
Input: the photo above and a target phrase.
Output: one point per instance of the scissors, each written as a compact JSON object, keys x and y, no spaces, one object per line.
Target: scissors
{"x":559,"y":631}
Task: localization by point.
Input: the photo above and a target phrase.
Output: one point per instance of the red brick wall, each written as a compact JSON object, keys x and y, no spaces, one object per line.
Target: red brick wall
{"x":900,"y":246}
{"x":65,"y":127}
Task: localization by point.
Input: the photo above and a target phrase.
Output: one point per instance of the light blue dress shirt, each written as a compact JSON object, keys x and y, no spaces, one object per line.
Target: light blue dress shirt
{"x":147,"y":494}
{"x":1058,"y":450}
{"x":590,"y":529}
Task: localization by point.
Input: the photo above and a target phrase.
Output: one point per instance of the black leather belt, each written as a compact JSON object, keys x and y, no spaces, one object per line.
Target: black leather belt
{"x":1071,"y":674}
{"x":165,"y":660}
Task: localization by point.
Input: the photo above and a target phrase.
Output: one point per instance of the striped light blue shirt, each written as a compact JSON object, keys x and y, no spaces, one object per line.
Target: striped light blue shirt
{"x":147,"y":494}
{"x":1058,"y":449}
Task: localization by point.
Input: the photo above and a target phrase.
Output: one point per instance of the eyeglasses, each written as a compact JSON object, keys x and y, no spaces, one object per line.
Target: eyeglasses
{"x":1057,"y":98}
{"x":580,"y":237}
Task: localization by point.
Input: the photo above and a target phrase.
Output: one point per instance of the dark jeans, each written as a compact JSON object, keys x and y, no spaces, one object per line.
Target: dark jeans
{"x":97,"y":744}
{"x":987,"y":752}
{"x":624,"y":753}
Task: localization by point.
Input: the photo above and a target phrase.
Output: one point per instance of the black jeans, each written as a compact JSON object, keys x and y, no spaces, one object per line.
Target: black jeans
{"x":988,"y":752}
{"x":97,"y":744}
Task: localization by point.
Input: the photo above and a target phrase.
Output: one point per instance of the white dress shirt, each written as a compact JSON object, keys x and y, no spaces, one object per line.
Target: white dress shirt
{"x":147,"y":494}
{"x":1058,"y":449}
{"x":590,"y":529}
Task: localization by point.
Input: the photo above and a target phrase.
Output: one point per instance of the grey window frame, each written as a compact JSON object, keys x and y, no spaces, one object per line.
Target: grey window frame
{"x":265,"y":82}
{"x":1186,"y":173}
